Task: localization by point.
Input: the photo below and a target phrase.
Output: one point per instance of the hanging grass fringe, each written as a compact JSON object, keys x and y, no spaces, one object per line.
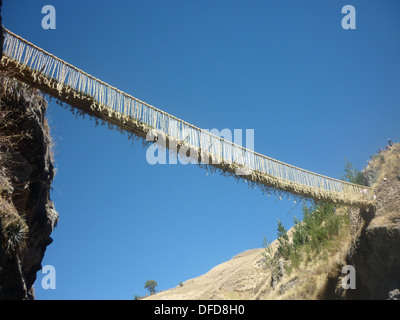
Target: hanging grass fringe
{"x":86,"y":95}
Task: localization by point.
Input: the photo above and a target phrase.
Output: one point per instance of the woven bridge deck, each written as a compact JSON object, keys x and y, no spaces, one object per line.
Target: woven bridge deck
{"x":42,"y":70}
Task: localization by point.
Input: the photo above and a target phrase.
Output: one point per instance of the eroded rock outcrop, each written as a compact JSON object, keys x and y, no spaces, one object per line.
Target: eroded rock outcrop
{"x":27,"y":215}
{"x":375,"y":251}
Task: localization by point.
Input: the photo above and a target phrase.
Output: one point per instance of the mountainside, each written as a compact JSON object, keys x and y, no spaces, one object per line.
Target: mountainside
{"x":233,"y":279}
{"x":370,"y":243}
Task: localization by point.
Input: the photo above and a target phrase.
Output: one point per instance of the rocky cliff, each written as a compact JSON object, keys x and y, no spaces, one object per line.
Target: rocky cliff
{"x":375,"y":251}
{"x":27,"y":215}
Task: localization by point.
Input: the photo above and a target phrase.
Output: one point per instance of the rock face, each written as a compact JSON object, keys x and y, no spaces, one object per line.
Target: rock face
{"x":376,"y":258}
{"x":27,"y":215}
{"x":374,"y":252}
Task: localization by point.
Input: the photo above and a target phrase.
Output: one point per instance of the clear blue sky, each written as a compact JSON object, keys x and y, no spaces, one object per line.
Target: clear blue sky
{"x":314,"y":93}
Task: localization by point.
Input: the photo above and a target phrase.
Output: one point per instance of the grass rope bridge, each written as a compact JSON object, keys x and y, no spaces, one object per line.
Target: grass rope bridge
{"x":63,"y":81}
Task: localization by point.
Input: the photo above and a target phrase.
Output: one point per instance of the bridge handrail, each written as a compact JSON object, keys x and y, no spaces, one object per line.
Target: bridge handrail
{"x":20,"y":53}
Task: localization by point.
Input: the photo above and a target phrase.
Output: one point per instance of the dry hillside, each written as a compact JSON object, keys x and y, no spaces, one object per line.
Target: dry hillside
{"x":369,"y":242}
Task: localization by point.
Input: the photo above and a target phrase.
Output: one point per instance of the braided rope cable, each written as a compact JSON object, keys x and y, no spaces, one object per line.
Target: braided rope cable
{"x":32,"y":56}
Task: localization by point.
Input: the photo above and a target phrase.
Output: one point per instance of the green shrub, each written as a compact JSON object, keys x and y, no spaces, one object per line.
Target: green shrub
{"x":151,"y":286}
{"x":320,"y":224}
{"x":353,"y":175}
{"x":300,"y":236}
{"x":285,"y":247}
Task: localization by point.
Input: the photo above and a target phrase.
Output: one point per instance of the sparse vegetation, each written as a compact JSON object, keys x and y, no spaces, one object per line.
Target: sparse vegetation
{"x":13,"y":227}
{"x":320,"y":225}
{"x":15,"y":231}
{"x":285,"y":247}
{"x":353,"y":175}
{"x":384,"y":165}
{"x":268,"y":253}
{"x":151,"y":286}
{"x":309,"y":252}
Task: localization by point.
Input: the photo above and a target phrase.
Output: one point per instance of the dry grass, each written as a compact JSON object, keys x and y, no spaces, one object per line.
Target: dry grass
{"x":387,"y":187}
{"x":13,"y":228}
{"x":312,"y":273}
{"x":386,"y":164}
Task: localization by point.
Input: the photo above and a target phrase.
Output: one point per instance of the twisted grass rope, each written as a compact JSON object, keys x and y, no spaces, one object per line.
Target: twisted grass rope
{"x":121,"y":105}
